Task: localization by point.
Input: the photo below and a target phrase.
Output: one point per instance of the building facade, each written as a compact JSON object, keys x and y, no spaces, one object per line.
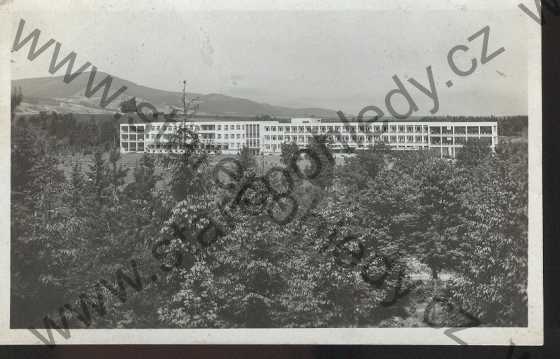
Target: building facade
{"x":267,"y":136}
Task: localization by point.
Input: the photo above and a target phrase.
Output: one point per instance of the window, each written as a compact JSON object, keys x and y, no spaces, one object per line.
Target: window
{"x":460,"y":140}
{"x":392,"y":128}
{"x":460,"y":130}
{"x":435,"y":140}
{"x":226,"y":136}
{"x":219,"y":127}
{"x":401,"y":128}
{"x":410,"y":139}
{"x":238,"y":127}
{"x":238,"y":136}
{"x":472,"y":130}
{"x":447,"y":130}
{"x":485,"y":130}
{"x":435,"y":130}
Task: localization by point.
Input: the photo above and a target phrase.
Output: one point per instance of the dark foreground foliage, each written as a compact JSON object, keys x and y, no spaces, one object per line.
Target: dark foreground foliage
{"x":347,"y":258}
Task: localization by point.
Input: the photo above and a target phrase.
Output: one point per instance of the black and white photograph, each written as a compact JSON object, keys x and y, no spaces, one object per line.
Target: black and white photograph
{"x":249,"y":172}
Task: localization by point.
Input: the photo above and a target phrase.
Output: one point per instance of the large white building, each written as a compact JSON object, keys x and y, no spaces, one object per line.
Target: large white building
{"x":229,"y":136}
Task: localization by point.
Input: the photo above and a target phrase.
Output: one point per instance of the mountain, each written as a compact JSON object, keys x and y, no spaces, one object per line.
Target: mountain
{"x":53,"y":94}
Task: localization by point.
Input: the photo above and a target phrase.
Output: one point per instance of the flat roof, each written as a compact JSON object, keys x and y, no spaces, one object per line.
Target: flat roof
{"x":211,"y":119}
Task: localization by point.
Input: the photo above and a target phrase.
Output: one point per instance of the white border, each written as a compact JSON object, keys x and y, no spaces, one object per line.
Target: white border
{"x":532,"y":335}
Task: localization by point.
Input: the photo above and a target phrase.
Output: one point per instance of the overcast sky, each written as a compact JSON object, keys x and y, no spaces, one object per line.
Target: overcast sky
{"x":333,"y":59}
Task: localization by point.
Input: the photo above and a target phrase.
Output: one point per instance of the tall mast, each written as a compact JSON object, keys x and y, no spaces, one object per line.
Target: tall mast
{"x":185,"y":101}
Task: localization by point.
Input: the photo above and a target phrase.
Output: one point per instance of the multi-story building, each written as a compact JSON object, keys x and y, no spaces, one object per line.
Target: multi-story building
{"x":267,"y":136}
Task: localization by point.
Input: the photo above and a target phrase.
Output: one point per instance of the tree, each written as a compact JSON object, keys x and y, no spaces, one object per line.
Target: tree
{"x":441,"y":227}
{"x":288,"y":151}
{"x":322,"y":172}
{"x":492,"y":282}
{"x":128,"y":106}
{"x":99,"y":179}
{"x":40,"y":229}
{"x":358,"y":170}
{"x":246,"y":159}
{"x":16,"y":99}
{"x":256,"y":273}
{"x":117,"y":173}
{"x":145,"y":179}
{"x":187,"y":158}
{"x":187,"y":175}
{"x":350,"y":281}
{"x":78,"y":183}
{"x":472,"y":153}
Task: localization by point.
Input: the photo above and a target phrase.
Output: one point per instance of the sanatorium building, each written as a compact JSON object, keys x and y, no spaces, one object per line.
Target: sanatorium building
{"x":230,"y":135}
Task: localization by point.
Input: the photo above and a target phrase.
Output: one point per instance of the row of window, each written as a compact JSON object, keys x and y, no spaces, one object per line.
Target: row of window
{"x":461,"y":130}
{"x":458,"y":140}
{"x":295,"y":128}
{"x":349,"y":128}
{"x":161,"y":148}
{"x":232,"y":136}
{"x":132,"y":146}
{"x":132,"y":136}
{"x":354,"y":138}
{"x":230,"y":127}
{"x":254,"y":128}
{"x":389,"y":139}
{"x":305,"y":139}
{"x":132,"y":128}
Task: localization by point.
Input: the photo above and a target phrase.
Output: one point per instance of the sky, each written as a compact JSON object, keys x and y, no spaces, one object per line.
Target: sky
{"x":335,"y":59}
